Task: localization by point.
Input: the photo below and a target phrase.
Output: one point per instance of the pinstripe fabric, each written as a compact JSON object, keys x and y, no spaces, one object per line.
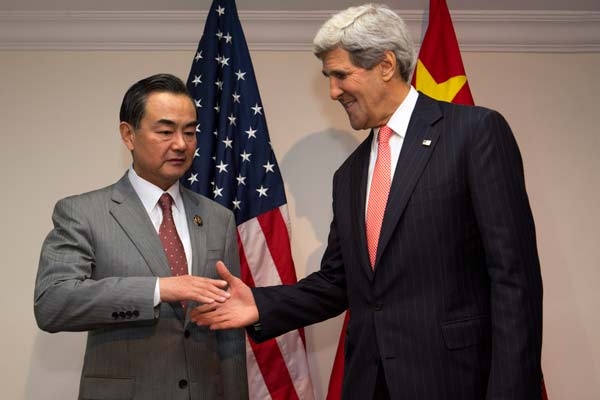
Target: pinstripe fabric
{"x":97,"y":273}
{"x":453,"y":308}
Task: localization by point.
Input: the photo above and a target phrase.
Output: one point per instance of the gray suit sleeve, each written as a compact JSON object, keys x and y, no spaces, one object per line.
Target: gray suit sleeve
{"x":66,"y":297}
{"x":231,"y":342}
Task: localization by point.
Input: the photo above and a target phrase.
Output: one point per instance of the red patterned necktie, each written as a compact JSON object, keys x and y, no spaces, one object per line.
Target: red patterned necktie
{"x":379,"y":191}
{"x":170,"y":239}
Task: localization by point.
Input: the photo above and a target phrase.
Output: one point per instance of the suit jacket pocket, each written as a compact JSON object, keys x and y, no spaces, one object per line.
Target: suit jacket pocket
{"x":466,"y":332}
{"x":97,"y":388}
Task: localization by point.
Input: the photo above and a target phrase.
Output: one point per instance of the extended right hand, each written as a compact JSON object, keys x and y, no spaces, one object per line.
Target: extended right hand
{"x":192,"y":288}
{"x":237,"y":312}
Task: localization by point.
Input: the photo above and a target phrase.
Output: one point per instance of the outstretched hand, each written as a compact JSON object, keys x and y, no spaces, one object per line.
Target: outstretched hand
{"x":237,"y":312}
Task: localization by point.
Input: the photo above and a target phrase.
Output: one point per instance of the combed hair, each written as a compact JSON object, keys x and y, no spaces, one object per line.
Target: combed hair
{"x":367,"y":32}
{"x":134,"y":101}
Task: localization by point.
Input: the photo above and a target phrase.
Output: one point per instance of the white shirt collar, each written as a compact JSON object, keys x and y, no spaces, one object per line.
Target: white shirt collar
{"x":149,"y":193}
{"x":401,"y":117}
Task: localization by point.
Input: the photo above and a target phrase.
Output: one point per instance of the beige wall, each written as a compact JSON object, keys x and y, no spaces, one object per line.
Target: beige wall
{"x":59,"y":136}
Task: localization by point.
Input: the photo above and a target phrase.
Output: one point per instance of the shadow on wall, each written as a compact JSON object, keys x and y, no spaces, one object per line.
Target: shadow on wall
{"x":55,"y":366}
{"x":308,"y":168}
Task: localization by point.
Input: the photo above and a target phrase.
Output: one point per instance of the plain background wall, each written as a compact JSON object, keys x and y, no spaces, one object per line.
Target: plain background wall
{"x":59,"y":137}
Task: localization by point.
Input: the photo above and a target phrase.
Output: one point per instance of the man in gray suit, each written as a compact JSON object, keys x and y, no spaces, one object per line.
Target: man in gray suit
{"x":126,"y":262}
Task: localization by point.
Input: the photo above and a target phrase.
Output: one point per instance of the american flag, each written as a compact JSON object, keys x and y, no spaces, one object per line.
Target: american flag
{"x":235,"y":166}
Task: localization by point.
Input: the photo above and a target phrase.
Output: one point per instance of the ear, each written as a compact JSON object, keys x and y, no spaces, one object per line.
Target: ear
{"x":127,"y":133}
{"x":388,"y":65}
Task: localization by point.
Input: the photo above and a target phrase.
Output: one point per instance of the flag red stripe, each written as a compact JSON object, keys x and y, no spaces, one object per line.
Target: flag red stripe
{"x":268,"y":355}
{"x":278,"y":241}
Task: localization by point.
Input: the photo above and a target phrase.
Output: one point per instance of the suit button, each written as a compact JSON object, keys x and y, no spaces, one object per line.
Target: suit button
{"x":115,"y":315}
{"x":136,"y":313}
{"x":378,"y":306}
{"x":183,"y":383}
{"x":122,"y":314}
{"x":186,"y":334}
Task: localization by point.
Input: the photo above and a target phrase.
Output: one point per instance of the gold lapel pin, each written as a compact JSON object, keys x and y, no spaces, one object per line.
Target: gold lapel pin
{"x":426,"y":142}
{"x":198,"y":220}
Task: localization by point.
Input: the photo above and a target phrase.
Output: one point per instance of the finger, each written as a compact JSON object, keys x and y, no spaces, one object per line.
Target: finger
{"x":224,"y":272}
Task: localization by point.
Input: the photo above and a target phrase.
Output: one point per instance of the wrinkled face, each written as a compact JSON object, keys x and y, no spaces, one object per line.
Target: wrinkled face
{"x":360,"y":91}
{"x":164,"y":144}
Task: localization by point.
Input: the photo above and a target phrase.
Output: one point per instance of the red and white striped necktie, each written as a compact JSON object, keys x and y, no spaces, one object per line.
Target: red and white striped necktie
{"x":379,"y":191}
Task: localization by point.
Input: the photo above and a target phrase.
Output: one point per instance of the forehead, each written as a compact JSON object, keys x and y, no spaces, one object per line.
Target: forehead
{"x":164,"y":104}
{"x":337,"y":59}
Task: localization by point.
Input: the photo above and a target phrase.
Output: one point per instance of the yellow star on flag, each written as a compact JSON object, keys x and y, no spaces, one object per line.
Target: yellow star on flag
{"x":445,"y":91}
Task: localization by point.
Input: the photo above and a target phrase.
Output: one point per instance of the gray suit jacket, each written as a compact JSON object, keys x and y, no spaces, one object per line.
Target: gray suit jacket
{"x":97,"y":273}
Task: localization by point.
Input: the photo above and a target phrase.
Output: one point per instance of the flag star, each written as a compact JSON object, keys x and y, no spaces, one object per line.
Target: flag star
{"x":236,"y":97}
{"x":241,"y":180}
{"x":214,"y":159}
{"x":220,"y":10}
{"x":218,"y":59}
{"x":257,"y":109}
{"x":251,"y":133}
{"x":262,"y":191}
{"x":197,"y":153}
{"x":228,"y":142}
{"x":224,"y":61}
{"x":227,"y":38}
{"x":219,"y":34}
{"x":245,"y":156}
{"x":216,"y":133}
{"x":268,"y":167}
{"x":198,"y":56}
{"x":231,"y":119}
{"x":219,"y":84}
{"x":217,"y":108}
{"x":197,"y":80}
{"x":198,"y":103}
{"x":193,"y":178}
{"x":236,"y":204}
{"x":222,"y":167}
{"x":240,"y":75}
{"x":217,"y":192}
{"x":198,"y":128}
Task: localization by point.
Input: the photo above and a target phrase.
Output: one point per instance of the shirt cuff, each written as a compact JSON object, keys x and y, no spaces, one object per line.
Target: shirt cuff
{"x":157,"y":293}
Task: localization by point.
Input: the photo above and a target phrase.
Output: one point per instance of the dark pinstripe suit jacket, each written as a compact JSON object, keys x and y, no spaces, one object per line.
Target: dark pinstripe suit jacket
{"x":453,"y":309}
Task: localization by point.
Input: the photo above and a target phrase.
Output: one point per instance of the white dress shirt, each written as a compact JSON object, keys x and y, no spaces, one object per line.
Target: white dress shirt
{"x":149,"y":195}
{"x":399,"y":124}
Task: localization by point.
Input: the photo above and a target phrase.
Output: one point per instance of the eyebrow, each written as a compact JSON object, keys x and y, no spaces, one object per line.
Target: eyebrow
{"x":168,"y":122}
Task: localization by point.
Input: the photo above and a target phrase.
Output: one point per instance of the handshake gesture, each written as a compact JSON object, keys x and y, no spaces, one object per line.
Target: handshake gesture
{"x":237,"y":311}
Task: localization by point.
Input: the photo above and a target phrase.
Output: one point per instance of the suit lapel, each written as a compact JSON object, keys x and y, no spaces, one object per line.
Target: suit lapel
{"x":128,"y":211}
{"x":198,"y":237}
{"x":411,"y":162}
{"x":359,"y":176}
{"x":197,"y":232}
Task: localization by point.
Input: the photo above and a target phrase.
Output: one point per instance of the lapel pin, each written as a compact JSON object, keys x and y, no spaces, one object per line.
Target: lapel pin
{"x":198,"y":220}
{"x":426,"y":142}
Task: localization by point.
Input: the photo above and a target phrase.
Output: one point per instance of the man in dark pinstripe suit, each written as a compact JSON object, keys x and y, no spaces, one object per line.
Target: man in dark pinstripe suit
{"x":451,"y":307}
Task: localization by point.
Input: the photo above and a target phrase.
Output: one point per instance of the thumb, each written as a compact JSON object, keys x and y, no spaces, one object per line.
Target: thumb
{"x":224,"y":272}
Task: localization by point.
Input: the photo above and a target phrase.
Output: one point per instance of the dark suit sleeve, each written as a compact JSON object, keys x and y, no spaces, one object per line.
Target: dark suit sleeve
{"x":504,"y":218}
{"x":67,"y":298}
{"x":319,"y":296}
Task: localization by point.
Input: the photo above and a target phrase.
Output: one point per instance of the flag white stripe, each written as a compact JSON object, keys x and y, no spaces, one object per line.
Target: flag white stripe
{"x":257,"y":388}
{"x":264,"y":273}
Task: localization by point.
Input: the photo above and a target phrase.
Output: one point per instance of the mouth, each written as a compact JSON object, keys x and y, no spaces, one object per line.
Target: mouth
{"x":176,"y":161}
{"x":347,"y":104}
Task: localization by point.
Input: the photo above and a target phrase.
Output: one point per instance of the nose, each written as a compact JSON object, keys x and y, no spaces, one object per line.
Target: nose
{"x":178,"y":142}
{"x":334,"y":88}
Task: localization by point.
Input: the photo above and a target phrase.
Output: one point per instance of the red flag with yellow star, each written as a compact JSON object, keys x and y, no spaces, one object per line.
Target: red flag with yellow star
{"x":439,"y":72}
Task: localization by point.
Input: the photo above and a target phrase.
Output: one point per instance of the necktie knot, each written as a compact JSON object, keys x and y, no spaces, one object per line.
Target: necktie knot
{"x":165,"y":202}
{"x":385,"y":133}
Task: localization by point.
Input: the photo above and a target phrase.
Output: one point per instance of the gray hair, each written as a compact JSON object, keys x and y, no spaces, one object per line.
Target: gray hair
{"x":367,"y":32}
